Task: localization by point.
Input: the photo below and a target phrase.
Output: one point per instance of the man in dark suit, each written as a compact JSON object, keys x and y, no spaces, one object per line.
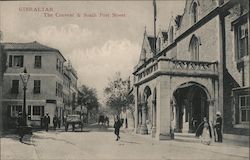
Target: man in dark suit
{"x":117,"y":127}
{"x":46,"y":121}
{"x":218,"y":127}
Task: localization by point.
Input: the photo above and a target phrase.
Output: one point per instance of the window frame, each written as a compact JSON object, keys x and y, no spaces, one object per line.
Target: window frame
{"x":37,"y":87}
{"x":38,"y":62}
{"x":245,"y":107}
{"x":36,"y":111}
{"x":194,"y":15}
{"x":16,"y":60}
{"x":236,"y":27}
{"x":14,"y":88}
{"x":194,"y":49}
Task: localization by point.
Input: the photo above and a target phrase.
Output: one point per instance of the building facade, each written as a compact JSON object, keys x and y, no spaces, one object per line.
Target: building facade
{"x":70,"y":90}
{"x":200,"y":66}
{"x":44,"y":92}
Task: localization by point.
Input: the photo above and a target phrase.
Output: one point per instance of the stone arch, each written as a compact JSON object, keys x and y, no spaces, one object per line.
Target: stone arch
{"x":189,"y":111}
{"x":190,"y":83}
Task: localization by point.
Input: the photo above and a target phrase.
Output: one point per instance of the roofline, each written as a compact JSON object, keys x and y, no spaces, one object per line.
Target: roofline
{"x":49,"y":49}
{"x":218,"y":10}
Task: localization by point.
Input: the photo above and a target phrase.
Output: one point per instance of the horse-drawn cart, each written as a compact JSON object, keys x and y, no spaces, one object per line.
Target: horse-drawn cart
{"x":73,"y":120}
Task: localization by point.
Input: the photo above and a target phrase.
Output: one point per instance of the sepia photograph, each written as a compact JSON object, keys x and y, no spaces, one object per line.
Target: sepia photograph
{"x":124,"y":80}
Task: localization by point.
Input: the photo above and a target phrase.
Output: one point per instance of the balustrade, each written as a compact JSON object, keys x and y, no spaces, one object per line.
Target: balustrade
{"x":169,"y":66}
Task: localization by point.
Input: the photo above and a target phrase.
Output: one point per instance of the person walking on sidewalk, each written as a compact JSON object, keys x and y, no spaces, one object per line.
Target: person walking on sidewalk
{"x":117,"y":126}
{"x":55,"y":121}
{"x":206,"y":135}
{"x":218,"y":127}
{"x":46,"y":122}
{"x":20,"y":125}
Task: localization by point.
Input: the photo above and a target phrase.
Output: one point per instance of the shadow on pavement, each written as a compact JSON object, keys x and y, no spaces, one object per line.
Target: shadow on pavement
{"x":52,"y":138}
{"x":27,"y":139}
{"x":99,"y":128}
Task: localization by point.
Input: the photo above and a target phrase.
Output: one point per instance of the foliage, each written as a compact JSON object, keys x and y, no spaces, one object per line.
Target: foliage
{"x":117,"y":95}
{"x":88,"y":97}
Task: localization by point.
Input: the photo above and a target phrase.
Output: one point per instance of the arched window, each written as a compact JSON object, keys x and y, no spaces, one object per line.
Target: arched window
{"x":171,"y":35}
{"x":159,"y":44}
{"x":194,"y":12}
{"x":194,"y":48}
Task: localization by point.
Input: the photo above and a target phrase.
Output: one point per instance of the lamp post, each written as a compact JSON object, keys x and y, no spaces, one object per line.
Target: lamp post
{"x":25,"y":78}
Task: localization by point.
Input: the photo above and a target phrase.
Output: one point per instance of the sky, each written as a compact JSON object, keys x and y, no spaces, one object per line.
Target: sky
{"x":97,"y":43}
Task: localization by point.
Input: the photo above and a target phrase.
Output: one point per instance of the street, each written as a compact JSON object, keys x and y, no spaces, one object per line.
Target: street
{"x":98,"y":142}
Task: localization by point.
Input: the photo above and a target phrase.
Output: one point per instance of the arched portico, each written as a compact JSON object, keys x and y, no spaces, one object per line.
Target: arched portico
{"x":191,"y":104}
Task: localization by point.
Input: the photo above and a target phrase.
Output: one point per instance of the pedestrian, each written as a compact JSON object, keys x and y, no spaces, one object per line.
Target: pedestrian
{"x":20,"y":126}
{"x":59,"y":122}
{"x":55,"y":122}
{"x":218,"y":127}
{"x":117,"y":126}
{"x":199,"y":129}
{"x":206,"y":132}
{"x":46,"y":121}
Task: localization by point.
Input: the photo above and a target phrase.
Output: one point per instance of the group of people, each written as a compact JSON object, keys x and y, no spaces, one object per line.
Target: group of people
{"x":204,"y":130}
{"x":46,"y":121}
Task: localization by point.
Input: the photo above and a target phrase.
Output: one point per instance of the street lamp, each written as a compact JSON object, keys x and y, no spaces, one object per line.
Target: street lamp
{"x":25,"y":78}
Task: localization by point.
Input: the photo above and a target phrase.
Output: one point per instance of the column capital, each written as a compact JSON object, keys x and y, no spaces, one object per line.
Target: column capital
{"x":211,"y":101}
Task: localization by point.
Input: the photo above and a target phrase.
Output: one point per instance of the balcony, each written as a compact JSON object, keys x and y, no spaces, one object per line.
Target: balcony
{"x":164,"y":66}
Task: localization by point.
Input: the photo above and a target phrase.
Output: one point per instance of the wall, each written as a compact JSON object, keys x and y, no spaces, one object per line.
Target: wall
{"x":204,"y":7}
{"x":233,"y":75}
{"x":209,"y":36}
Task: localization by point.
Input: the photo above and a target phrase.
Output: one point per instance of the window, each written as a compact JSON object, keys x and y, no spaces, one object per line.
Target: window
{"x":18,"y":61}
{"x":15,"y":86}
{"x":38,"y":61}
{"x":59,"y":90}
{"x":244,"y":106}
{"x":242,"y":40}
{"x":10,"y":61}
{"x":38,"y":110}
{"x":194,"y":13}
{"x":57,"y":64}
{"x":37,"y":86}
{"x":15,"y":61}
{"x":171,"y":35}
{"x":15,"y":109}
{"x":194,"y":48}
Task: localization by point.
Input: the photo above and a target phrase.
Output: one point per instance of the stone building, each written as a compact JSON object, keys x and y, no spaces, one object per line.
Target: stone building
{"x":200,"y":66}
{"x":45,"y":86}
{"x":70,"y":91}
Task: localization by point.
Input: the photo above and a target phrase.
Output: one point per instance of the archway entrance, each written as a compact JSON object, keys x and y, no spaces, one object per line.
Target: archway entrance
{"x":190,"y":107}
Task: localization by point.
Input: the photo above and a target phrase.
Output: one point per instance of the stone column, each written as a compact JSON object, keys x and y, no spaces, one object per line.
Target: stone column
{"x":144,"y":129}
{"x":154,"y":117}
{"x":138,"y":123}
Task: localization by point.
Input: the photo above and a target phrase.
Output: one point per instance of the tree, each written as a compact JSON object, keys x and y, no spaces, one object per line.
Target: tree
{"x":88,"y":97}
{"x":118,"y":97}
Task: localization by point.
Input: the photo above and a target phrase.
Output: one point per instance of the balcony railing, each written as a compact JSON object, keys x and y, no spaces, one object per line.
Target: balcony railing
{"x":164,"y":66}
